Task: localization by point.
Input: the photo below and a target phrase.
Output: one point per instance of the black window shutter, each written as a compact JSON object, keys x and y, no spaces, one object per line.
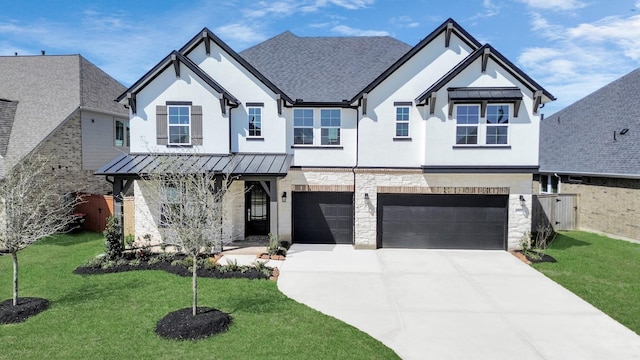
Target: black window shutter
{"x":161,"y":125}
{"x":196,"y":125}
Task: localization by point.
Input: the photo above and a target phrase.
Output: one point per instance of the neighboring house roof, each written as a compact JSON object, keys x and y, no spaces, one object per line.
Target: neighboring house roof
{"x":324,"y":69}
{"x":133,"y":165}
{"x":49,"y":89}
{"x":7,"y":115}
{"x":586,"y":138}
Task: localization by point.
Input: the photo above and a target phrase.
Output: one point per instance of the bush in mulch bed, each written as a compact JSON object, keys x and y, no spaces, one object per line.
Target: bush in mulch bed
{"x":537,"y":257}
{"x":176,"y":264}
{"x":182,"y":325}
{"x":26,"y":307}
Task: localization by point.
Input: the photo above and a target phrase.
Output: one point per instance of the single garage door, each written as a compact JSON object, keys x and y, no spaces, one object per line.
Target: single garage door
{"x":437,"y":221}
{"x":323,"y":217}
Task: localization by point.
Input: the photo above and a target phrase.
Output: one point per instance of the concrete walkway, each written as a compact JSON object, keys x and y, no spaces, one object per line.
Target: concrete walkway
{"x":436,"y":304}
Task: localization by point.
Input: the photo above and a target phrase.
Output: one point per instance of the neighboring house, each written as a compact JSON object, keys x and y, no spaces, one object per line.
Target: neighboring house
{"x":356,"y":140}
{"x":61,"y":106}
{"x":592,"y":148}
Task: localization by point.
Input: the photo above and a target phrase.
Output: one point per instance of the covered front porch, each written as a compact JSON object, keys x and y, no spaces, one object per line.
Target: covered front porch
{"x":252,"y":180}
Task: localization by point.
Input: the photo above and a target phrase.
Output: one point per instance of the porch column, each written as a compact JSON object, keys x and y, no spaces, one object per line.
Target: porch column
{"x":273,"y":207}
{"x":118,"y":204}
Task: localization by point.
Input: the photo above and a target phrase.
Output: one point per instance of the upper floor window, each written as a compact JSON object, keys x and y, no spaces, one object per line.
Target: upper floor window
{"x":121,"y":133}
{"x":497,"y":124}
{"x":402,"y":121}
{"x":303,"y":126}
{"x":255,"y":121}
{"x":467,"y":120}
{"x":179,"y":125}
{"x":330,"y":127}
{"x":474,"y":128}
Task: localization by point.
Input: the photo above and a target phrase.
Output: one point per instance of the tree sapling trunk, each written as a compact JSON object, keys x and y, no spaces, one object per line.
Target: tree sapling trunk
{"x":195,"y":284}
{"x":14,"y":256}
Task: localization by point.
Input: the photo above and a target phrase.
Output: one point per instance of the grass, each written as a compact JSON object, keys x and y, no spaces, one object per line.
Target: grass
{"x":113,"y":316}
{"x":602,"y":271}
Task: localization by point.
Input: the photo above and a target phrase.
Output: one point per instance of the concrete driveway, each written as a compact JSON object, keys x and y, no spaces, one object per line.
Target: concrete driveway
{"x":438,"y":304}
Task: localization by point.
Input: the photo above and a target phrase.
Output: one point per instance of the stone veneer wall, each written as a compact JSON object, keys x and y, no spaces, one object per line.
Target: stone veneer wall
{"x":608,"y":205}
{"x":397,"y":181}
{"x":66,"y":146}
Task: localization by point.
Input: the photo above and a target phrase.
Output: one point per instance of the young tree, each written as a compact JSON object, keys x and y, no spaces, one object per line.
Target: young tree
{"x":31,"y":207}
{"x":189,"y":208}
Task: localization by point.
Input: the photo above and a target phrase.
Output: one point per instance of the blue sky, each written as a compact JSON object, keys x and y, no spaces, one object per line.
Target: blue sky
{"x":571,"y":47}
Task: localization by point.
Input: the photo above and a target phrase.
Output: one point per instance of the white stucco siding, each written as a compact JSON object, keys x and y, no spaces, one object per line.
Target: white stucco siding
{"x":188,"y":87}
{"x":378,"y":143}
{"x":232,"y":76}
{"x":523,"y":132}
{"x":343,"y":155}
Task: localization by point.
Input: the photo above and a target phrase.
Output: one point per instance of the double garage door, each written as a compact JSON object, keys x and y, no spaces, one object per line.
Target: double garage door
{"x":405,"y":220}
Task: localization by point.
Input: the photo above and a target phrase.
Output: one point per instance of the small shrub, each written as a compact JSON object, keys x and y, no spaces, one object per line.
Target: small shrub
{"x":276,"y":246}
{"x":113,"y":239}
{"x":106,"y":265}
{"x":232,"y":265}
{"x":168,"y":257}
{"x":94,"y":262}
{"x":144,"y":253}
{"x":154,"y":260}
{"x":262,"y":267}
{"x":135,"y":262}
{"x":122,"y":262}
{"x":129,"y":240}
{"x":176,"y":262}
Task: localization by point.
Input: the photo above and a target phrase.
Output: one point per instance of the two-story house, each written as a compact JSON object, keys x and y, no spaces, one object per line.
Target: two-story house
{"x":356,"y":140}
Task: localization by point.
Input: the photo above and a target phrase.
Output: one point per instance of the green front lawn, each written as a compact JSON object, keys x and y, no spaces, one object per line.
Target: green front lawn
{"x":113,"y":316}
{"x":603,"y":271}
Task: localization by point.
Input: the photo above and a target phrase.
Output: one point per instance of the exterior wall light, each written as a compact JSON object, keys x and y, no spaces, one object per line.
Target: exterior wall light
{"x":522,"y":199}
{"x":284,"y":197}
{"x":366,"y":196}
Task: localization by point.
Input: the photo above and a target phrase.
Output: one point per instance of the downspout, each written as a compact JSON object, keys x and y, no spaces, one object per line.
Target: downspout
{"x":353,"y":170}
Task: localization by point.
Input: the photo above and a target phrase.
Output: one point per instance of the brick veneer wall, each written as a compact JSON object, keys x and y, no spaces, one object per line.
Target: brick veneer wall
{"x":66,"y":148}
{"x":608,"y":205}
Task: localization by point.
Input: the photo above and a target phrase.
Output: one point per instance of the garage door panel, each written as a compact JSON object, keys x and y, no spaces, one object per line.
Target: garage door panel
{"x":322,"y":217}
{"x":442,"y":221}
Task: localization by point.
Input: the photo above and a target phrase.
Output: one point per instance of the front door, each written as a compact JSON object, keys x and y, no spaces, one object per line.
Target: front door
{"x":257,"y":209}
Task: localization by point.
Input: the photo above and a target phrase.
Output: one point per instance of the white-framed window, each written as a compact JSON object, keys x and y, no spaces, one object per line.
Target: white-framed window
{"x":121,"y":133}
{"x":303,"y":126}
{"x":179,"y":122}
{"x":330,"y":127}
{"x":549,"y":184}
{"x":255,"y":121}
{"x":497,"y":124}
{"x":402,"y":121}
{"x":171,"y":207}
{"x":490,"y":129}
{"x":467,"y":123}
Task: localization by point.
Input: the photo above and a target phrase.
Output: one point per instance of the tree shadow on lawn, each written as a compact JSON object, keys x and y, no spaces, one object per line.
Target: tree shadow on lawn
{"x":90,"y":291}
{"x":70,"y":239}
{"x":564,"y":241}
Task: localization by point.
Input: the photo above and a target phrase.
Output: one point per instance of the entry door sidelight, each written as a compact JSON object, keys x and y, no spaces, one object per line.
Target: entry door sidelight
{"x":257,"y":209}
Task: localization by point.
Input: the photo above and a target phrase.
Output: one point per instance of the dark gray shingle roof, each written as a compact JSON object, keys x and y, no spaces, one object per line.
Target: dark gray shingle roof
{"x":324,"y":69}
{"x":7,"y":115}
{"x":580,"y":138}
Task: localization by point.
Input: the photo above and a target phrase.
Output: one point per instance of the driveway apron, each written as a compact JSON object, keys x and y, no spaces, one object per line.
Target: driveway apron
{"x":452,"y":304}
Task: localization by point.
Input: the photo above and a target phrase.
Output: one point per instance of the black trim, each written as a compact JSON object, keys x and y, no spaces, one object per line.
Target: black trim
{"x":491,"y":169}
{"x":455,"y":27}
{"x":253,"y":138}
{"x":482,"y":147}
{"x":169,"y":103}
{"x":302,"y":104}
{"x":254,"y":104}
{"x":400,"y":138}
{"x":339,"y":147}
{"x":503,"y":62}
{"x":403,"y":103}
{"x":196,"y":40}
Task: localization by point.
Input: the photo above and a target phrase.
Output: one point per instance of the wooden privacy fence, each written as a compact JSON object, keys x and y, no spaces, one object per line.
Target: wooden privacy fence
{"x":99,"y":207}
{"x":560,"y":211}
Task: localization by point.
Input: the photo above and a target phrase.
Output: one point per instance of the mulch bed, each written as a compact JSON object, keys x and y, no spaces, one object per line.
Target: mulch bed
{"x":180,"y":270}
{"x":26,"y":307}
{"x":182,"y":325}
{"x":538,"y":258}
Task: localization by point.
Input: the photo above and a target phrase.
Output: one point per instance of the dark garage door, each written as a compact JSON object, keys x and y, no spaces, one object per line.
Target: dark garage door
{"x":323,"y":217}
{"x":442,"y":221}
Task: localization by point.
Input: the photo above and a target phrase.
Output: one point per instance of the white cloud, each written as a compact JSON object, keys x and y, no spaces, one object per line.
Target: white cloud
{"x":349,"y":31}
{"x":581,"y":59}
{"x":404,"y":22}
{"x":555,"y":5}
{"x":239,"y":33}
